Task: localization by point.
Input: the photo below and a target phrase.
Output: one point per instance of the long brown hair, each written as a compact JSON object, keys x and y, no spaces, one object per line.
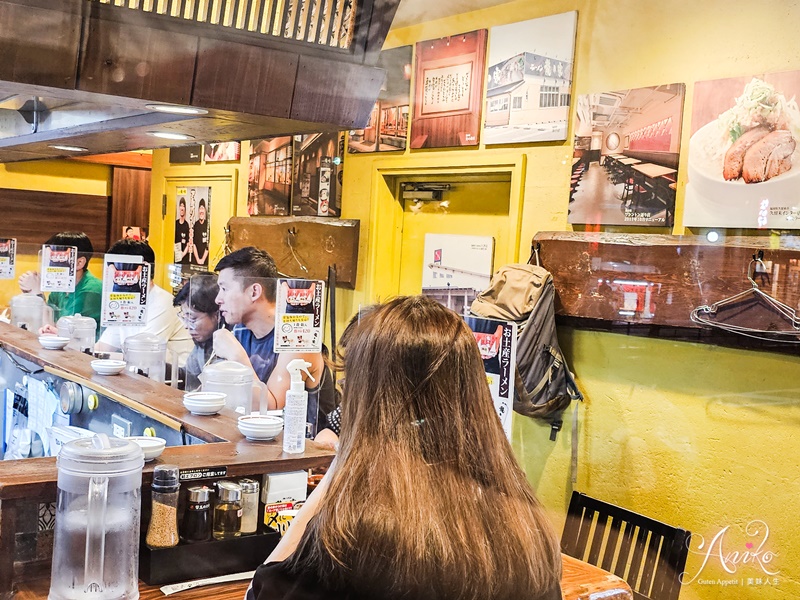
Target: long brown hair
{"x":427,"y":499}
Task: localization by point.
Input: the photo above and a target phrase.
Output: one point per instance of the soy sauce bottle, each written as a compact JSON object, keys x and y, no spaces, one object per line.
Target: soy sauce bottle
{"x":196,"y":524}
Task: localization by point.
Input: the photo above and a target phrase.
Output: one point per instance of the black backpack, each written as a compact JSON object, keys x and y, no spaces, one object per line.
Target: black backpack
{"x":544,"y":385}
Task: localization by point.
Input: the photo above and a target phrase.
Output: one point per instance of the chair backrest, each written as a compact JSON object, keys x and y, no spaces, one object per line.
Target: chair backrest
{"x":646,"y":553}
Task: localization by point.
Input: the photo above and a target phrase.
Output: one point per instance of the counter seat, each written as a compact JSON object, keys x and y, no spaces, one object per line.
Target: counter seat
{"x":34,"y":479}
{"x":579,"y":581}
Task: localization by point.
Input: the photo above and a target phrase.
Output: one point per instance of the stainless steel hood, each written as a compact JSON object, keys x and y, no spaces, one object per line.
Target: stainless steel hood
{"x":93,"y":74}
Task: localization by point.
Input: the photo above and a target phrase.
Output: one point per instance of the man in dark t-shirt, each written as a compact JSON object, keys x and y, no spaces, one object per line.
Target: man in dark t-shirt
{"x":182,"y":234}
{"x":200,"y":236}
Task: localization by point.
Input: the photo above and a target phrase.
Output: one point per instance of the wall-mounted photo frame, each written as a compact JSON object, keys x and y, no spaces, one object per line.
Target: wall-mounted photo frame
{"x":222,"y":151}
{"x":449,"y":78}
{"x":376,"y":136}
{"x":318,"y":163}
{"x":269,"y":179}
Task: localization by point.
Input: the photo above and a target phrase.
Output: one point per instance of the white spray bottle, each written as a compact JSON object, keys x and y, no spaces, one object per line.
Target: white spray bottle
{"x":295,"y":409}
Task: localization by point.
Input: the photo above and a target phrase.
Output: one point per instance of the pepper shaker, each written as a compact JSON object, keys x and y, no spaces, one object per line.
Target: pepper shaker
{"x":249,"y":505}
{"x":163,"y":529}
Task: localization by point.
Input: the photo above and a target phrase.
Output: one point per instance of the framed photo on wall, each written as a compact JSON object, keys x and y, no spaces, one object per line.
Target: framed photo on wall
{"x":269,"y":179}
{"x":449,"y":76}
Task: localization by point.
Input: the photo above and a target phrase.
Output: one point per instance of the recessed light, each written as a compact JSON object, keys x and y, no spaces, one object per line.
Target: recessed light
{"x":168,"y":135}
{"x":176,"y":110}
{"x":68,"y":148}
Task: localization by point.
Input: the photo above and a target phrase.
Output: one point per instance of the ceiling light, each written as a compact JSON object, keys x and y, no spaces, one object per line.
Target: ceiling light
{"x":168,"y":135}
{"x":68,"y":148}
{"x":176,"y":110}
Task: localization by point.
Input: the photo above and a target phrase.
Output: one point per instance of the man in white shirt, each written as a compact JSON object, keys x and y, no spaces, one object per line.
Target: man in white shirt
{"x":161,"y":317}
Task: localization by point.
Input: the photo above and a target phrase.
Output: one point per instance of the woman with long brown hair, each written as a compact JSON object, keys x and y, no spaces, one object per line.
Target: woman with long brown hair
{"x":425,"y":499}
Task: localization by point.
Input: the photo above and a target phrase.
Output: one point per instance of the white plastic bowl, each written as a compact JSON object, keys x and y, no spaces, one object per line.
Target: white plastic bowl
{"x":260,"y":427}
{"x":151,"y":446}
{"x":53,"y":342}
{"x":107,"y":366}
{"x":204,"y":403}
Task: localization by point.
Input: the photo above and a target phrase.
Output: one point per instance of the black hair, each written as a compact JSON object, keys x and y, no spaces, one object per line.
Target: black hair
{"x":200,"y":292}
{"x":182,"y":200}
{"x":74,"y":238}
{"x":131,"y":247}
{"x":252,"y":265}
{"x":127,"y":229}
{"x":201,"y":204}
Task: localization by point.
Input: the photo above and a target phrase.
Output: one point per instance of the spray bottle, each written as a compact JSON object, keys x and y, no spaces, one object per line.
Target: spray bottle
{"x":294,"y":412}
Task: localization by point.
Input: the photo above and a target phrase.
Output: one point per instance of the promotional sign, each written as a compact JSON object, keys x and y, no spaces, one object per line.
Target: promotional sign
{"x":8,"y":257}
{"x":125,"y":280}
{"x":298,"y":315}
{"x":58,"y":268}
{"x":497,"y":341}
{"x":193,"y":212}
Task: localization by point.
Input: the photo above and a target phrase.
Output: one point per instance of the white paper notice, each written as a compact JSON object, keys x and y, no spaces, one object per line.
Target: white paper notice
{"x":58,"y":268}
{"x":125,"y":280}
{"x":298,"y":315}
{"x":8,"y":257}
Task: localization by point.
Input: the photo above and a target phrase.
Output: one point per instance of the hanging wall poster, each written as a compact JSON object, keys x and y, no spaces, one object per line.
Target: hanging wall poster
{"x":448,"y":89}
{"x":193,"y":211}
{"x":299,"y":315}
{"x":58,"y":268}
{"x":529,"y":80}
{"x":625,"y":157}
{"x":270,"y":176}
{"x":744,"y":153}
{"x":318,"y":161}
{"x":222,"y":151}
{"x":456,"y":268}
{"x":388,"y":122}
{"x":497,"y":341}
{"x":125,"y":280}
{"x":8,"y":257}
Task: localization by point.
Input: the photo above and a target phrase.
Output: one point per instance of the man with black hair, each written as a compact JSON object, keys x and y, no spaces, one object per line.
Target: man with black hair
{"x":182,"y":234}
{"x":161,"y":318}
{"x":86,"y":300}
{"x":200,"y":236}
{"x":200,"y":314}
{"x":246,"y":300}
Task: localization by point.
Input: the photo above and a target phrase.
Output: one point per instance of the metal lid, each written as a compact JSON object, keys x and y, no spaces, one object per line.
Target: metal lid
{"x":229,"y":491}
{"x":227,"y":371}
{"x":199,"y":493}
{"x":249,"y":486}
{"x":100,"y":455}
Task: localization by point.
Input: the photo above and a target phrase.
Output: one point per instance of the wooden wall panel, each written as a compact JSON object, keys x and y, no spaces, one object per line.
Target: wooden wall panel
{"x":138,"y":62}
{"x":39,"y":46}
{"x":130,"y":200}
{"x":335,"y":92}
{"x":244,"y":78}
{"x":33,"y":216}
{"x":319,"y":242}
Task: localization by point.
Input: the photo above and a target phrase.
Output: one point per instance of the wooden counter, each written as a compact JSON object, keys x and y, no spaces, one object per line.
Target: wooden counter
{"x":34,"y":479}
{"x":579,"y":581}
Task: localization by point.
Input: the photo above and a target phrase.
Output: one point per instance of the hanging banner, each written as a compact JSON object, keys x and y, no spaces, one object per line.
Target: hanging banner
{"x":497,"y":341}
{"x":125,"y":280}
{"x":299,"y":315}
{"x":8,"y":257}
{"x":58,"y":268}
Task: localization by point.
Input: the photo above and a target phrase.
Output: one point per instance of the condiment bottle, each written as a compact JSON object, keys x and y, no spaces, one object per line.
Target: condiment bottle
{"x":249,"y":505}
{"x":196,"y":524}
{"x":163,"y":529}
{"x":228,"y":511}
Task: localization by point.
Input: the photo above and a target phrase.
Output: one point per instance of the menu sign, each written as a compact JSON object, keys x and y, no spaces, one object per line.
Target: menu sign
{"x":58,"y":268}
{"x":125,"y":280}
{"x":8,"y":257}
{"x":497,"y":342}
{"x":298,"y":315}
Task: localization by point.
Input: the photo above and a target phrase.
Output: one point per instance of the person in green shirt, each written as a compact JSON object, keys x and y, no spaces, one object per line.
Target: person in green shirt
{"x":86,"y":300}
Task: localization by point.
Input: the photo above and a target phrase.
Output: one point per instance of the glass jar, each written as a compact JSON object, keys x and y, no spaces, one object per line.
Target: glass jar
{"x":249,"y":505}
{"x":163,"y":529}
{"x":228,"y":511}
{"x":196,"y":524}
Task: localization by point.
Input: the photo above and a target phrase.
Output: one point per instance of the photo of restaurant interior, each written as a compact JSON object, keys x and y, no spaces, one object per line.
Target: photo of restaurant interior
{"x":225,"y":376}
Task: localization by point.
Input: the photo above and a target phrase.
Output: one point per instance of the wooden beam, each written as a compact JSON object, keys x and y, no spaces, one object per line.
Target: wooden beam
{"x":133,"y":160}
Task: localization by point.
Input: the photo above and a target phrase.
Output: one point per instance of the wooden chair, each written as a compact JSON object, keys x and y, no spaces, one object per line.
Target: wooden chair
{"x":604,"y":535}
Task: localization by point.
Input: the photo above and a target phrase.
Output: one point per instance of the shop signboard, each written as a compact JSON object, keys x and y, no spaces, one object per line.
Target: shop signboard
{"x":58,"y":269}
{"x":529,"y":80}
{"x":497,"y":342}
{"x":744,"y":153}
{"x":299,"y":312}
{"x":125,"y":281}
{"x":8,"y":257}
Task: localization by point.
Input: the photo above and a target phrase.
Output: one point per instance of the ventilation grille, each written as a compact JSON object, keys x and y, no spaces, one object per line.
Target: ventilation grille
{"x":322,"y":22}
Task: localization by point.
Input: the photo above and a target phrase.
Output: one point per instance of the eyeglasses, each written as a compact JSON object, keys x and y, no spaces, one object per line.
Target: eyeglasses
{"x":189,"y":319}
